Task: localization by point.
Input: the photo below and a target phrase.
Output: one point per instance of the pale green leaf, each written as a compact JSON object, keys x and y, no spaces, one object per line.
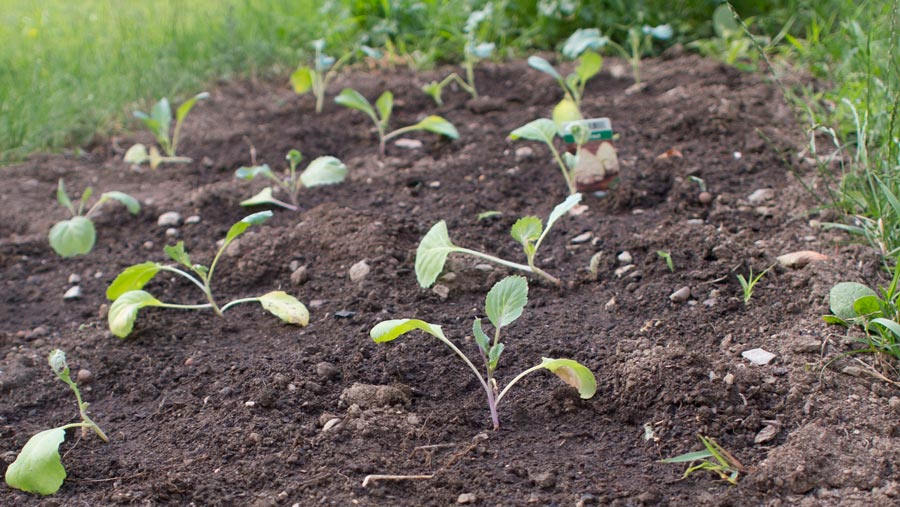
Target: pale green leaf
{"x":354,"y":100}
{"x":264,"y":196}
{"x":38,"y":468}
{"x":124,"y":310}
{"x":482,"y":50}
{"x":867,"y":306}
{"x":132,"y":204}
{"x":72,"y":237}
{"x":63,"y":197}
{"x":688,"y":457}
{"x":385,"y":105}
{"x":506,"y":300}
{"x":542,"y":129}
{"x":437,"y":125}
{"x":494,"y":355}
{"x":527,"y":230}
{"x":723,"y":22}
{"x":187,"y":105}
{"x":302,"y":80}
{"x":239,"y":228}
{"x":582,"y":40}
{"x":484,"y":343}
{"x":831,"y":319}
{"x":432,"y":254}
{"x":488,"y":214}
{"x":178,"y":254}
{"x":388,"y":330}
{"x":564,"y":112}
{"x":544,"y":66}
{"x":57,"y":361}
{"x":323,"y":171}
{"x":588,"y":66}
{"x":132,"y":278}
{"x":248,"y":173}
{"x":434,"y":89}
{"x":843,"y":295}
{"x":573,"y":373}
{"x":890,"y":325}
{"x":285,"y":307}
{"x":161,"y":114}
{"x":137,"y":154}
{"x":560,"y":210}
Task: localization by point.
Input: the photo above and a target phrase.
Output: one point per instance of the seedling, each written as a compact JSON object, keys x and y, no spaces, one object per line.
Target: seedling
{"x":545,"y":130}
{"x":528,"y":231}
{"x":504,"y":304}
{"x":38,"y":467}
{"x":381,"y":115}
{"x":321,"y":171}
{"x":76,"y":236}
{"x":640,"y":42}
{"x":748,"y":284}
{"x":668,"y":258}
{"x":581,"y":44}
{"x":714,"y":459}
{"x":158,"y":121}
{"x":128,"y":297}
{"x":317,"y":76}
{"x":472,"y":52}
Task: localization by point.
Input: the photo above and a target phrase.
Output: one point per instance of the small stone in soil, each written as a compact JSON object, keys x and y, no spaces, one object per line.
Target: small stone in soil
{"x":316,"y":303}
{"x":466,"y":498}
{"x":681,"y":295}
{"x":148,"y":245}
{"x":622,"y":270}
{"x":84,"y":377}
{"x":582,"y":238}
{"x":172,"y":232}
{"x":625,"y":257}
{"x":327,"y":371}
{"x":408,"y":144}
{"x":758,"y":356}
{"x":344,"y":314}
{"x":544,"y":480}
{"x":611,"y":303}
{"x":442,"y":291}
{"x":193,"y":219}
{"x":767,"y":434}
{"x":300,"y":275}
{"x":331,"y":423}
{"x":484,"y":267}
{"x":359,"y":271}
{"x":728,"y":378}
{"x":73,"y":293}
{"x":74,"y":279}
{"x":524,"y":153}
{"x":760,"y":196}
{"x":800,"y":259}
{"x":705,"y":197}
{"x":169,"y":219}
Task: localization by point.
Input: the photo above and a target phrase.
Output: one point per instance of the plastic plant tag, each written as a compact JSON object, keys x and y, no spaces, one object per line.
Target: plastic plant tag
{"x":597,"y":129}
{"x":597,"y":163}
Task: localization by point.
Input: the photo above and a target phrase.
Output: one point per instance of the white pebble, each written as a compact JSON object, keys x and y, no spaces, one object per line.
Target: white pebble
{"x":73,"y":293}
{"x":409,"y":144}
{"x":359,"y":271}
{"x":758,"y":356}
{"x":73,"y":278}
{"x":169,"y":219}
{"x":681,"y":295}
{"x":625,"y":257}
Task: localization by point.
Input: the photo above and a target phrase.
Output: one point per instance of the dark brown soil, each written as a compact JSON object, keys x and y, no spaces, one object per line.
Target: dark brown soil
{"x":203,"y":410}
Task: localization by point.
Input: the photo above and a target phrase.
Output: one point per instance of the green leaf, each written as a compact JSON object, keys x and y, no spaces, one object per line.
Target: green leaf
{"x":248,"y":173}
{"x":544,"y":66}
{"x":432,"y":254}
{"x":526,"y":231}
{"x":161,"y":115}
{"x":294,"y":157}
{"x":239,"y":228}
{"x":137,"y":154}
{"x":132,"y":204}
{"x":582,"y":40}
{"x":385,"y":105}
{"x":354,"y":100}
{"x":132,"y":278}
{"x":72,"y":237}
{"x":57,"y":361}
{"x":867,"y":306}
{"x":177,"y":254}
{"x":724,"y":23}
{"x":124,"y":310}
{"x":481,"y":50}
{"x":573,"y":373}
{"x":843,"y":295}
{"x":187,"y":105}
{"x":589,"y":65}
{"x":565,"y":112}
{"x":437,"y":125}
{"x":484,"y":343}
{"x":494,"y":356}
{"x":542,"y":129}
{"x":689,"y":456}
{"x":560,"y":210}
{"x":88,"y":192}
{"x":323,"y":171}
{"x":506,"y":300}
{"x":888,"y":324}
{"x":434,"y":89}
{"x":488,"y":214}
{"x":285,"y":307}
{"x":264,"y":196}
{"x":831,"y":319}
{"x":388,"y":330}
{"x":38,"y":468}
{"x":302,"y":80}
{"x":63,"y":197}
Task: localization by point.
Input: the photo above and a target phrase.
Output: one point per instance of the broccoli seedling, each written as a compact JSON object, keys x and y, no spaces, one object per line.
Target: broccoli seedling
{"x":528,"y":231}
{"x":38,"y":467}
{"x":159,"y":121}
{"x":321,"y":171}
{"x":381,"y":115}
{"x":472,"y":52}
{"x":316,"y":77}
{"x":128,"y":297}
{"x":503,"y":305}
{"x":76,"y":236}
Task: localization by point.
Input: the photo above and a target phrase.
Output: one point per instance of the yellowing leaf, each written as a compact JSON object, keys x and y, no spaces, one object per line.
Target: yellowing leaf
{"x":573,"y":373}
{"x":285,"y":307}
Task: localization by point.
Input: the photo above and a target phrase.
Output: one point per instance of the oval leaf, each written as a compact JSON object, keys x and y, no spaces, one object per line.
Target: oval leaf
{"x":264,"y":196}
{"x":62,"y":196}
{"x":285,"y":307}
{"x":385,"y":105}
{"x":132,"y":278}
{"x":573,"y":373}
{"x":239,"y":228}
{"x":562,"y":208}
{"x":438,"y":125}
{"x":527,"y":230}
{"x":248,"y":173}
{"x":38,"y":468}
{"x":589,"y":65}
{"x":354,"y":100}
{"x":301,"y":80}
{"x":390,"y":329}
{"x":484,"y":343}
{"x":582,"y":40}
{"x":843,"y":295}
{"x":542,"y":129}
{"x":432,"y":254}
{"x":544,"y":66}
{"x":867,"y":306}
{"x":187,"y":105}
{"x":71,"y":237}
{"x":506,"y":300}
{"x":323,"y":171}
{"x":124,"y":310}
{"x":132,"y":204}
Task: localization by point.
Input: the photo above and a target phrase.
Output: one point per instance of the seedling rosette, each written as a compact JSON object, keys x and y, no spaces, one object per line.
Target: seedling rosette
{"x":321,"y":171}
{"x":159,"y":121}
{"x":504,"y":304}
{"x":128,"y":297}
{"x":76,"y":236}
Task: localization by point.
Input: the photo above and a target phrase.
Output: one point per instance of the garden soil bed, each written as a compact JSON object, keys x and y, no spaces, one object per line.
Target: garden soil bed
{"x":203,"y":410}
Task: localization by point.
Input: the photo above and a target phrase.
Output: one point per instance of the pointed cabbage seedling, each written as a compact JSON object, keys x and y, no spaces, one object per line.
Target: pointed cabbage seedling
{"x":159,"y":122}
{"x":503,"y":305}
{"x":545,"y":130}
{"x":321,"y":171}
{"x":77,"y":235}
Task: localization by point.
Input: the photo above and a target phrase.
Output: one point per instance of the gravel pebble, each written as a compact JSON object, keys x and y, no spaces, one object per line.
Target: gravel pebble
{"x":74,"y":292}
{"x":466,"y":498}
{"x":408,"y":144}
{"x":625,"y":257}
{"x":524,"y":153}
{"x":359,"y":271}
{"x":300,"y":275}
{"x":169,"y":219}
{"x":681,"y":295}
{"x":74,"y":279}
{"x":84,"y":377}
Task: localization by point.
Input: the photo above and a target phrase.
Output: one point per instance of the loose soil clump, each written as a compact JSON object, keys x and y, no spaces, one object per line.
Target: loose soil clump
{"x":244,"y":410}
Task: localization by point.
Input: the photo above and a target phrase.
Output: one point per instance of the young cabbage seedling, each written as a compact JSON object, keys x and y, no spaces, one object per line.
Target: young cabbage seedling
{"x":581,"y":44}
{"x":749,"y":283}
{"x":545,"y":130}
{"x":128,"y":297}
{"x":640,"y":42}
{"x":504,"y":304}
{"x":381,"y":115}
{"x":321,"y":171}
{"x":666,"y":256}
{"x":76,"y":235}
{"x":528,"y":231}
{"x":159,"y":121}
{"x":315,"y":78}
{"x":714,"y":459}
{"x":472,"y":52}
{"x":38,"y":467}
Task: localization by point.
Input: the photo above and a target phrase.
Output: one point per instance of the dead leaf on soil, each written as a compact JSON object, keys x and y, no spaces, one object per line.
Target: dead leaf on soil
{"x":800,"y":258}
